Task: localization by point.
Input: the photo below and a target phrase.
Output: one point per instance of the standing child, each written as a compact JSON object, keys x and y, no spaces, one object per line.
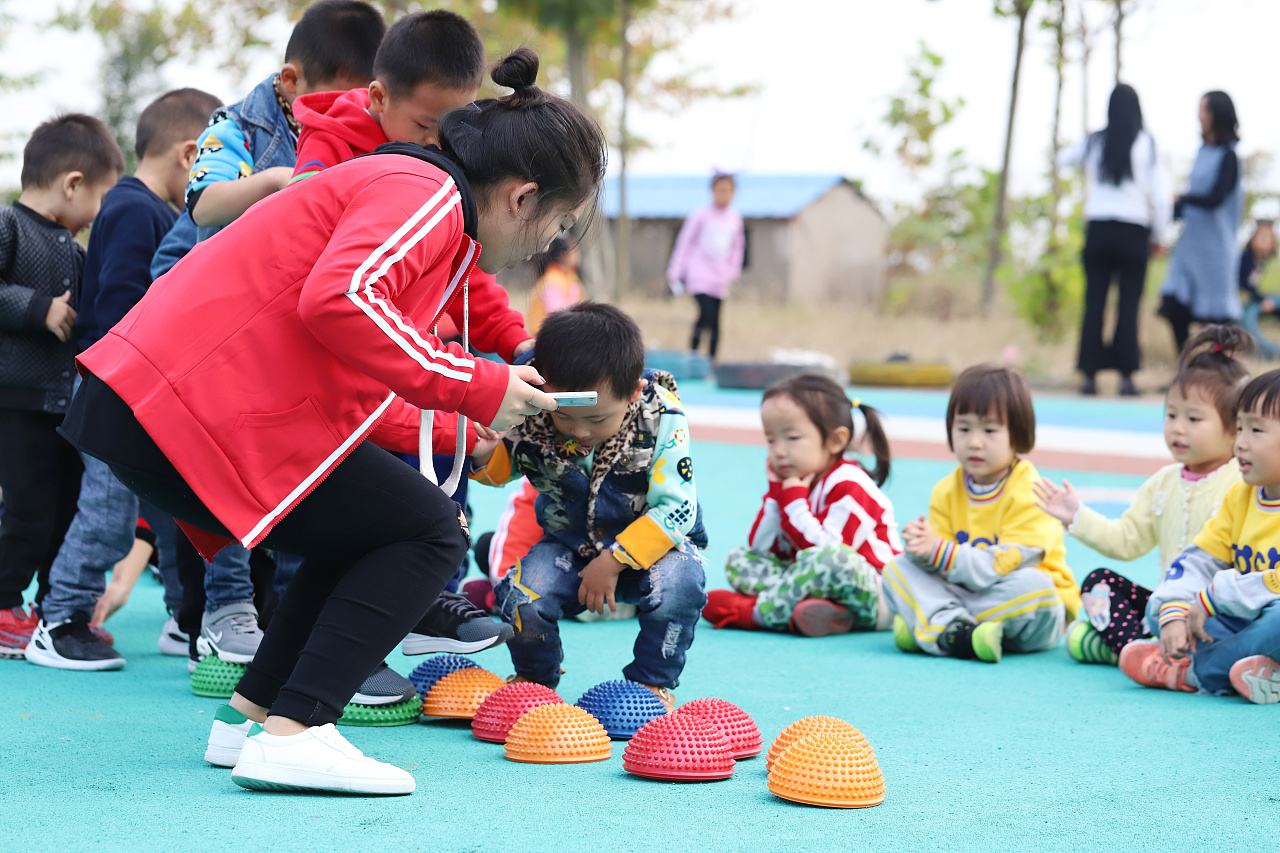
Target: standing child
{"x":1217,"y":610}
{"x":135,"y":216}
{"x":1171,"y":507}
{"x":558,"y":287}
{"x":67,"y":167}
{"x":987,"y":571}
{"x":618,"y":506}
{"x":825,"y":531}
{"x":707,"y":259}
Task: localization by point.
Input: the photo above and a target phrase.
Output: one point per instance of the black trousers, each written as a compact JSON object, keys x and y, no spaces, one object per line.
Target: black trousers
{"x":378,"y":542}
{"x":40,"y":477}
{"x":708,"y":320}
{"x":1113,"y":252}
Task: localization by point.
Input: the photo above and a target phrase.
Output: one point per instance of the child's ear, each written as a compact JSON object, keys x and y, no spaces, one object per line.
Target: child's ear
{"x":635,"y":395}
{"x":71,"y":182}
{"x":838,"y":440}
{"x":377,"y":97}
{"x":291,"y":80}
{"x":187,"y":153}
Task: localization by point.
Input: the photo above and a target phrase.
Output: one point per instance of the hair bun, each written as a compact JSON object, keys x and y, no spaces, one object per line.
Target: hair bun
{"x":517,"y":70}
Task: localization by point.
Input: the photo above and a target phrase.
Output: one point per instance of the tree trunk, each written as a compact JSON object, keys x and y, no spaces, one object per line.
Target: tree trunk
{"x":1053,"y":288}
{"x":1086,"y":53}
{"x":1119,"y":29}
{"x":576,"y":59}
{"x":624,"y":145}
{"x":998,"y":225}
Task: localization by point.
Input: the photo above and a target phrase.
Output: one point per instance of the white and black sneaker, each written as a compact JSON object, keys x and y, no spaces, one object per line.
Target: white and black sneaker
{"x":453,"y":624}
{"x":384,"y":687}
{"x":173,"y":641}
{"x":71,"y":644}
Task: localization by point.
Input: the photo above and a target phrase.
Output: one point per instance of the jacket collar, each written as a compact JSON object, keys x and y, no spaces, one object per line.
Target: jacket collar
{"x":440,"y":160}
{"x":260,"y":107}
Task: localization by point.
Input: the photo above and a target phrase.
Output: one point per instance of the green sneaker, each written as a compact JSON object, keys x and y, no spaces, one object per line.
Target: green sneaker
{"x":902,"y":636}
{"x":987,"y":641}
{"x":1085,"y":644}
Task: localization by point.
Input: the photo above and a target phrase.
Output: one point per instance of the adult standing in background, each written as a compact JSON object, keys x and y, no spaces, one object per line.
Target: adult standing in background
{"x":1127,"y":211}
{"x":1201,"y":284}
{"x":707,"y":259}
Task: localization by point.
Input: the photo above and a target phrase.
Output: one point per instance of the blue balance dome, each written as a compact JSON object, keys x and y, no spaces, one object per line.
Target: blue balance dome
{"x":434,"y":668}
{"x":622,"y":707}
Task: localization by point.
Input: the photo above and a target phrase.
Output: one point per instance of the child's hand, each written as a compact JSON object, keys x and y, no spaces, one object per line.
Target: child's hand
{"x":919,"y":539}
{"x":770,"y":473}
{"x":487,"y":441}
{"x":599,"y":580}
{"x":113,"y":598}
{"x":1175,"y":640}
{"x":792,"y":482}
{"x":1195,"y":625}
{"x":1060,"y":502}
{"x":61,"y":317}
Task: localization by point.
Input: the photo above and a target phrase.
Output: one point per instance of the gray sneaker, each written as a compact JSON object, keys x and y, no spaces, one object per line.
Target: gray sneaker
{"x":384,"y":687}
{"x":231,"y":632}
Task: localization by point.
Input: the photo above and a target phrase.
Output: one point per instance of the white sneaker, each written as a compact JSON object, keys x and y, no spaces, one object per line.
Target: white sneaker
{"x":172,"y":641}
{"x":226,"y":737}
{"x":318,"y":759}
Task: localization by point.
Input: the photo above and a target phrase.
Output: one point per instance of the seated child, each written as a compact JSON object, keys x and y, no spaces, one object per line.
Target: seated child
{"x":987,"y":571}
{"x":1257,"y":253}
{"x":1217,"y":610}
{"x":1171,"y":507}
{"x":618,"y":506}
{"x":815,"y":553}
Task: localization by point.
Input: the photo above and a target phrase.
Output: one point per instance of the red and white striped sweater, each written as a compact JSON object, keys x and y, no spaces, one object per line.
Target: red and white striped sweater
{"x":844,"y":507}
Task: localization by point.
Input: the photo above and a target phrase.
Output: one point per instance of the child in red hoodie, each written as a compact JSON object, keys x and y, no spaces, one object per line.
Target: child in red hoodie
{"x":428,"y":64}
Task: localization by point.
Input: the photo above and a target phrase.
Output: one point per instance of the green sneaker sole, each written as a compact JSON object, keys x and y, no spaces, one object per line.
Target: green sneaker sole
{"x":215,"y":678}
{"x":1085,"y":645}
{"x":987,"y":641}
{"x":402,"y":713}
{"x":902,"y":636}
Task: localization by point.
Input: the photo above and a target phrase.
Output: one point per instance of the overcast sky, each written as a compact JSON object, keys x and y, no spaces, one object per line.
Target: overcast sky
{"x":824,"y":71}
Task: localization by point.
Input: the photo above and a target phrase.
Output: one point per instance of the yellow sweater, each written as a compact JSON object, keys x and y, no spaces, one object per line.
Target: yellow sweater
{"x":1006,"y":516}
{"x":1166,"y":513}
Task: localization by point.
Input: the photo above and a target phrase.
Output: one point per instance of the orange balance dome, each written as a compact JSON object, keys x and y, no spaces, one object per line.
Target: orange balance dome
{"x":809,"y":726}
{"x":460,"y":693}
{"x":497,"y":714}
{"x":680,"y":748}
{"x":558,"y":734}
{"x":831,"y":770}
{"x":744,"y":735}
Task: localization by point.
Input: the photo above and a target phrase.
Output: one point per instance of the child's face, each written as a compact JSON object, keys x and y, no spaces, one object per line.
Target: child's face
{"x":1264,"y":241}
{"x":414,"y":116}
{"x":981,"y":445}
{"x":592,"y":426}
{"x":80,"y":200}
{"x":796,"y":446}
{"x":1194,"y":432}
{"x":1258,"y":449}
{"x":722,"y":193}
{"x":514,"y":227}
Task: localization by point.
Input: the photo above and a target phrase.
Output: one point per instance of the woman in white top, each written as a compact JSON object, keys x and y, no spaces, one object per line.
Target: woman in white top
{"x":1127,"y":210}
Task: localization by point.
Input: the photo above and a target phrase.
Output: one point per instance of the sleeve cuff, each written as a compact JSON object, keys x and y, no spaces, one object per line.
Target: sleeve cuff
{"x":498,"y":470}
{"x":786,"y":497}
{"x":944,"y":556}
{"x":1173,"y":611}
{"x":1205,"y":599}
{"x":644,"y":543}
{"x":37,"y":311}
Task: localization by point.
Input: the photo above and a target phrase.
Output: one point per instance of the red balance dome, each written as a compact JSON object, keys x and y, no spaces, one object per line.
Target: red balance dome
{"x":680,"y":748}
{"x":497,"y":714}
{"x":742,"y":731}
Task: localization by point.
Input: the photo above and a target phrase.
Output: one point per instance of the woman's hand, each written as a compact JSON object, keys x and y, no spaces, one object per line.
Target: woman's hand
{"x":1060,"y":502}
{"x":522,"y":398}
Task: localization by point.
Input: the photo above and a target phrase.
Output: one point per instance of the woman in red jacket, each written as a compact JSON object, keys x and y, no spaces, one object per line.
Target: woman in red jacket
{"x":238,"y":395}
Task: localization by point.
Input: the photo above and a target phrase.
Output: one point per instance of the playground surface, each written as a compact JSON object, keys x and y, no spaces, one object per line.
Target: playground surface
{"x":1037,"y":752}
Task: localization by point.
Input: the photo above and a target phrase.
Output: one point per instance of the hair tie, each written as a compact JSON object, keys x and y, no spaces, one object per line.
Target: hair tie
{"x":1219,"y":348}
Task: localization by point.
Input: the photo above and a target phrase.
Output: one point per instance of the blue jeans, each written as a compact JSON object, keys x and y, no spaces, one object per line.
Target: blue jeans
{"x":543,"y":588}
{"x":1234,"y":639}
{"x":227,"y":580}
{"x":166,"y":531}
{"x":100,"y":536}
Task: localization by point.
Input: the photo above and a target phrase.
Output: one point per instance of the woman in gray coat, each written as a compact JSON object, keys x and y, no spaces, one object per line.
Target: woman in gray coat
{"x":1201,"y":285}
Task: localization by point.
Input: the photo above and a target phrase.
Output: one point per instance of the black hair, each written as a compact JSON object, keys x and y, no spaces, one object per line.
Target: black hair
{"x":430,"y":47}
{"x":588,"y":347}
{"x":173,"y":117}
{"x":528,"y":134}
{"x":1223,"y":123}
{"x":73,"y":142}
{"x":825,"y":404}
{"x":1124,"y":122}
{"x":990,"y":390}
{"x":1262,"y":395}
{"x":723,"y":176}
{"x":334,"y":39}
{"x":1210,"y":363}
{"x":555,"y":253}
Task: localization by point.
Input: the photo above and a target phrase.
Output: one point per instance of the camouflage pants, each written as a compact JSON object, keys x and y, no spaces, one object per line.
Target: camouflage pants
{"x":834,"y":572}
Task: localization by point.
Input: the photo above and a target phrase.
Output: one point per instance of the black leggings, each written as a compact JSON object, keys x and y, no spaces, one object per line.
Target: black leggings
{"x":709,"y":319}
{"x":1125,"y":603}
{"x":379,"y":542}
{"x":1113,"y":251}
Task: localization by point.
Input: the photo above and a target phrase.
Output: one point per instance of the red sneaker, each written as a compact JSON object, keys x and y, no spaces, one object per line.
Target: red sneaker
{"x":16,"y":627}
{"x":1145,"y":664}
{"x":817,"y":617}
{"x":728,"y":609}
{"x":1257,"y":678}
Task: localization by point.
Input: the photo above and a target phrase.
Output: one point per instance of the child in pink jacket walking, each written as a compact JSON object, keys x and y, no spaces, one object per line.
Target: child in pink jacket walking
{"x":708,"y":259}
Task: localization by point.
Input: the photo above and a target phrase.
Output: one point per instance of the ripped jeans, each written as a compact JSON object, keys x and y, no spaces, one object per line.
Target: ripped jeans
{"x":543,"y":588}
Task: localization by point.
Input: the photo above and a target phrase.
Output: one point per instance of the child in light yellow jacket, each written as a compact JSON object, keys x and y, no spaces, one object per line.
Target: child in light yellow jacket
{"x":1171,"y":507}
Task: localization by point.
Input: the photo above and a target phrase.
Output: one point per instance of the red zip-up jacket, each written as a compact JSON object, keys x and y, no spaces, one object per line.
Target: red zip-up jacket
{"x":273,"y":349}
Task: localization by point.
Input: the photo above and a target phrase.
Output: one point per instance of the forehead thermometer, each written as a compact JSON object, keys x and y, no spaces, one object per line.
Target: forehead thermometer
{"x":575,"y":398}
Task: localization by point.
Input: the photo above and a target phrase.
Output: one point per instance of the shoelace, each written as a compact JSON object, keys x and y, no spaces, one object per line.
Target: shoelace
{"x":458,"y":606}
{"x":244,"y":623}
{"x":328,"y":734}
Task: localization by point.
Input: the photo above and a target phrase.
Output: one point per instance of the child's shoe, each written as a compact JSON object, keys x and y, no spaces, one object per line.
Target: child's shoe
{"x":226,"y":737}
{"x":902,"y":636}
{"x":1257,"y":678}
{"x":665,"y":696}
{"x":969,"y":641}
{"x":231,"y":632}
{"x":453,"y":624}
{"x":1144,"y":663}
{"x":173,"y":642}
{"x":1086,"y":645}
{"x":16,"y":627}
{"x":988,"y":641}
{"x":728,"y":609}
{"x":817,"y":617}
{"x":71,"y":644}
{"x":318,"y":759}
